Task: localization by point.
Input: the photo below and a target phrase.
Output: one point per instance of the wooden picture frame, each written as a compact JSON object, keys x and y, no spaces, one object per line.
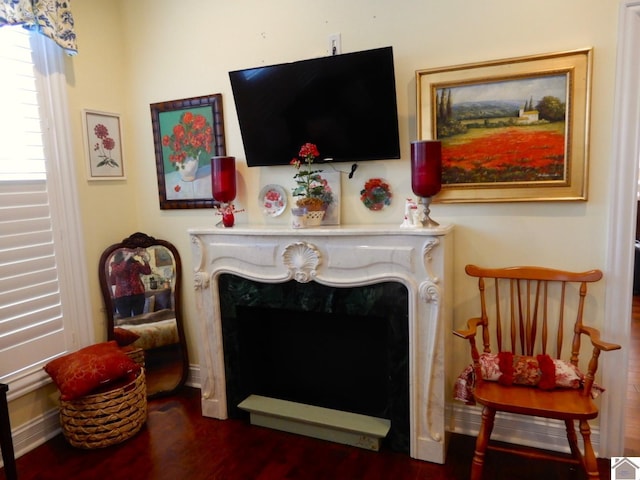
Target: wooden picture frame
{"x":103,"y":145}
{"x":186,"y":134}
{"x":511,"y":130}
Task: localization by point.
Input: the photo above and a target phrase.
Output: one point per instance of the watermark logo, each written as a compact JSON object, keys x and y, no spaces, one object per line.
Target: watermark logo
{"x":625,"y":468}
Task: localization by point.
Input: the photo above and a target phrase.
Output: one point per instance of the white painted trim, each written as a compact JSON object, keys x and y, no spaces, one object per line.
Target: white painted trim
{"x":65,"y":201}
{"x":621,"y":228}
{"x":34,"y":433}
{"x":535,"y":432}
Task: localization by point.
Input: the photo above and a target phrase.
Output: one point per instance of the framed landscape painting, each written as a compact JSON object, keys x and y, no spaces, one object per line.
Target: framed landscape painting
{"x":511,"y":130}
{"x":186,"y":134}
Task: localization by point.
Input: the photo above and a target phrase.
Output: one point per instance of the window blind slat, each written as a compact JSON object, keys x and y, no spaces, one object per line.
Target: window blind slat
{"x":22,"y":301}
{"x":13,"y":356}
{"x":25,"y":314}
{"x":9,"y":273}
{"x":22,"y":227}
{"x":11,"y":287}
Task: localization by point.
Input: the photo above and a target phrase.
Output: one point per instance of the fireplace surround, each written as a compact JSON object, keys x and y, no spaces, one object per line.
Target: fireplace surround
{"x":342,"y":257}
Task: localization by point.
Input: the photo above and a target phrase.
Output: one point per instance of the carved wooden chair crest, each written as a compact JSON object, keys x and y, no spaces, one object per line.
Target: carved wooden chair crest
{"x":525,"y":330}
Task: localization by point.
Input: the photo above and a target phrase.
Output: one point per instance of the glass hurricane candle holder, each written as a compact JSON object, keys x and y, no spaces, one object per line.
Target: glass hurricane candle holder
{"x":223,"y":178}
{"x":223,"y":186}
{"x":426,"y":175}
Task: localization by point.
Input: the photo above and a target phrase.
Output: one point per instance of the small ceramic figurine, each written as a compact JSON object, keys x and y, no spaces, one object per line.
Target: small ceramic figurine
{"x":411,"y":214}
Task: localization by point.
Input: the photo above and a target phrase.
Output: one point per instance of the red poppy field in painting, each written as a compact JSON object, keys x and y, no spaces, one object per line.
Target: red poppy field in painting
{"x":505,"y":154}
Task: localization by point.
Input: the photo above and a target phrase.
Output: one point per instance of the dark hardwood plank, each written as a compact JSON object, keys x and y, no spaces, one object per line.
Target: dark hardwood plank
{"x":178,"y":443}
{"x":632,"y":417}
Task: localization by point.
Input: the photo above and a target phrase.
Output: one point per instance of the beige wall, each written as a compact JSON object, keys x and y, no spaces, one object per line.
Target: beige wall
{"x":133,"y":53}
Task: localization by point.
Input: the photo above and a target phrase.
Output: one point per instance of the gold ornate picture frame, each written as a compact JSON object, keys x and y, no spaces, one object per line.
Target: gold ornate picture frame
{"x":512,"y":130}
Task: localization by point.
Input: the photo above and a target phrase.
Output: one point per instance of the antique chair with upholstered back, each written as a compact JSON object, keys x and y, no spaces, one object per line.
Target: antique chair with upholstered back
{"x":532,"y":319}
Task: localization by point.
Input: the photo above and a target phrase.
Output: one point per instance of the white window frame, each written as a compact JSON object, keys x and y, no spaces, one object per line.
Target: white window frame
{"x":65,"y":213}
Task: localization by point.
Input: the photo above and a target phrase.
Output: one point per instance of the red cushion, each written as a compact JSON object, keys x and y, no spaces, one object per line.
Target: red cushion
{"x":537,"y":371}
{"x":77,"y":374}
{"x":124,"y":337}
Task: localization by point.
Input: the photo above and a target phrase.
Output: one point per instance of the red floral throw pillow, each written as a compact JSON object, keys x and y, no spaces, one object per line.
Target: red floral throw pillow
{"x":77,"y":374}
{"x":540,"y":371}
{"x":124,"y":337}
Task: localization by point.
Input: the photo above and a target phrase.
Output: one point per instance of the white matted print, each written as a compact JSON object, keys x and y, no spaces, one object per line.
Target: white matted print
{"x":103,"y":145}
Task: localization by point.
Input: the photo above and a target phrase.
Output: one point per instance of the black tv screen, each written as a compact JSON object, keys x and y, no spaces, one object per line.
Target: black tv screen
{"x":345,"y":104}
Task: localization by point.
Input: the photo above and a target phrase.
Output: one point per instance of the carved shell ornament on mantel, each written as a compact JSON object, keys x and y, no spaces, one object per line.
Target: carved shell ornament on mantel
{"x":302,"y":259}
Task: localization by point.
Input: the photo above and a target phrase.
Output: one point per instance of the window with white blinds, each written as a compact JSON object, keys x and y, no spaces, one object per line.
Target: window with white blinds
{"x":37,"y":275}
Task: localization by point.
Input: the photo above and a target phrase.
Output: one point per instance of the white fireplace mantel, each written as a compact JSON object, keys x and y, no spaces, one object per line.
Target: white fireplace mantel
{"x":340,"y":256}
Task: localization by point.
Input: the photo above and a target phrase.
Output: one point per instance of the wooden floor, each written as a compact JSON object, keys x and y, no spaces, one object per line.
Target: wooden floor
{"x":178,"y":443}
{"x":632,"y":418}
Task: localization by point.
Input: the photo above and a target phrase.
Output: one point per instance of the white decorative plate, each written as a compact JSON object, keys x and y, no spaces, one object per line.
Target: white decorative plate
{"x":273,"y":200}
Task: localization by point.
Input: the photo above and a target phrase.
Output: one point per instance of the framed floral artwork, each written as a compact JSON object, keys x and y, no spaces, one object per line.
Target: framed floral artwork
{"x":511,"y":130}
{"x":186,"y":134}
{"x":103,"y":145}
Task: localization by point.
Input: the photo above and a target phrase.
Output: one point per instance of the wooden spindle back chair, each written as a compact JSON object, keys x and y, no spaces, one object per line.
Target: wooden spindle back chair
{"x":530,"y":311}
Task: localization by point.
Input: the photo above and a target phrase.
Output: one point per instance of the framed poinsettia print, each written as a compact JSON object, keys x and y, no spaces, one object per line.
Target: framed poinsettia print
{"x":103,"y":145}
{"x":512,"y":130}
{"x":186,"y":134}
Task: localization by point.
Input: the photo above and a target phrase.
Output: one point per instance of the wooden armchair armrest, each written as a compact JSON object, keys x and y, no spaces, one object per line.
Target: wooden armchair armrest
{"x":472,"y":327}
{"x":594,"y":335}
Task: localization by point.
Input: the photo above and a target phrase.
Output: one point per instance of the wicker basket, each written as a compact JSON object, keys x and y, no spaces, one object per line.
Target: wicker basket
{"x":314,"y":218}
{"x":136,"y":354}
{"x":104,"y":419}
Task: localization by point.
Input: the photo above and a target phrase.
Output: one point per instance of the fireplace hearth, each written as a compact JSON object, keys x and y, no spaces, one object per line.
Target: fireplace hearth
{"x":339,"y":348}
{"x":409,"y":266}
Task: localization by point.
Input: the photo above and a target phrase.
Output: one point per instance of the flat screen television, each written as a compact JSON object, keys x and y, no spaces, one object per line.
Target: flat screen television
{"x":345,"y":104}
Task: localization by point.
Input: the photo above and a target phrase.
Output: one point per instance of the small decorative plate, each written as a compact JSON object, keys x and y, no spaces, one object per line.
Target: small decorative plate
{"x":376,"y":194}
{"x":273,"y":200}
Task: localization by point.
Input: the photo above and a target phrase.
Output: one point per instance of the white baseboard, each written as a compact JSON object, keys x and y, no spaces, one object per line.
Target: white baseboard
{"x":34,"y":433}
{"x":517,"y":429}
{"x":193,"y":378}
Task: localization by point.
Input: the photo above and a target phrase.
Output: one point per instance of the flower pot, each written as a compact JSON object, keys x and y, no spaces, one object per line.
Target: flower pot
{"x":188,"y":169}
{"x":314,"y":218}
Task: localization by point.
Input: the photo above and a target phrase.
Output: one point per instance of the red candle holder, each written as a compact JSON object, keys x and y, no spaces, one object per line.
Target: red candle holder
{"x":223,"y":178}
{"x":223,"y":186}
{"x":426,"y":175}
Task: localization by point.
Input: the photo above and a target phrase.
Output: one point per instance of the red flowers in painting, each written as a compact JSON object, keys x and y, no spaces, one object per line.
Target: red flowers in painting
{"x":191,"y":136}
{"x":508,"y":155}
{"x":104,"y":146}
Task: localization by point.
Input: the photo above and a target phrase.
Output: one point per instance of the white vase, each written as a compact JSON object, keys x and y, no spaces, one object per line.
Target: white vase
{"x":188,"y":169}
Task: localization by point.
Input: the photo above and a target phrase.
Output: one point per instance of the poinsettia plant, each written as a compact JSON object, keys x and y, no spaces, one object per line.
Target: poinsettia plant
{"x":190,"y":136}
{"x":314,"y":190}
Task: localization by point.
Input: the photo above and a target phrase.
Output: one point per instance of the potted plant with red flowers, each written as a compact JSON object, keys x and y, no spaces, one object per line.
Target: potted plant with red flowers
{"x":313,"y":190}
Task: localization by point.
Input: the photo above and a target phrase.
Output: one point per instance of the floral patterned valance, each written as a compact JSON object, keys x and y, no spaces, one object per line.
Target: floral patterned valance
{"x":52,"y":18}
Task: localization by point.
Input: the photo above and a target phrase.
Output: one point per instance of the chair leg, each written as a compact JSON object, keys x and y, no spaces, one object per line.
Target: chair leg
{"x":488,"y":417}
{"x":590,"y":463}
{"x":573,"y":440}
